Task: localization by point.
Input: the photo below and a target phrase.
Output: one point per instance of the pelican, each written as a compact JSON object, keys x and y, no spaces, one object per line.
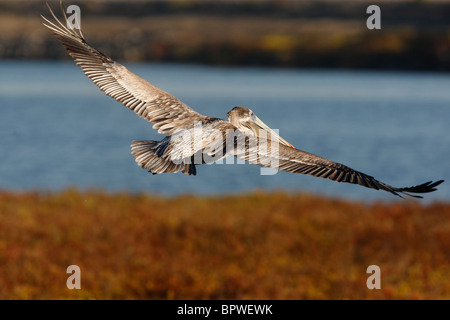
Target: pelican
{"x":176,"y":120}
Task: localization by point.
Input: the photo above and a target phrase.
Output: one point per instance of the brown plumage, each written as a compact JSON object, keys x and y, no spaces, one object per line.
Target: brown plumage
{"x":244,"y":135}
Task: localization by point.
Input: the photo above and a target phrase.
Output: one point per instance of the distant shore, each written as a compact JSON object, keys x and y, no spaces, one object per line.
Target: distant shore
{"x":414,"y":36}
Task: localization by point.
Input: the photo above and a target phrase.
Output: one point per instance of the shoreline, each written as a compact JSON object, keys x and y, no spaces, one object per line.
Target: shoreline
{"x":283,"y":35}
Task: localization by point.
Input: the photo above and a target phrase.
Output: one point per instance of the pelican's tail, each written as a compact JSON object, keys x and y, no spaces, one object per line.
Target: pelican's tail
{"x":150,"y":156}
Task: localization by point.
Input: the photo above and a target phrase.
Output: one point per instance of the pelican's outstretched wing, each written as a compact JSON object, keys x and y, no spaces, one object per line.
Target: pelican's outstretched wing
{"x":289,"y":159}
{"x":167,"y":113}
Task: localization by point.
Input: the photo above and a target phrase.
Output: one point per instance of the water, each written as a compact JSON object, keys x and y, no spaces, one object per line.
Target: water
{"x":58,"y":130}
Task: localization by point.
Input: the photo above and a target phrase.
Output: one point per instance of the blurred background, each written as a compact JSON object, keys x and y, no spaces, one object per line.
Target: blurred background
{"x":375,"y":100}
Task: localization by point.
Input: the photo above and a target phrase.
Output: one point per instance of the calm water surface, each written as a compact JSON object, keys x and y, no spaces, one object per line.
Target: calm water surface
{"x":58,"y":130}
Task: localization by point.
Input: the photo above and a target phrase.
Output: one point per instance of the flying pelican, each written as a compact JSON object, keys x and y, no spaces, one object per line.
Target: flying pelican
{"x":176,"y":120}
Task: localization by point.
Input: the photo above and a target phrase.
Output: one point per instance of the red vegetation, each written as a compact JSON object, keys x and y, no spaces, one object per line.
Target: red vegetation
{"x":254,"y":246}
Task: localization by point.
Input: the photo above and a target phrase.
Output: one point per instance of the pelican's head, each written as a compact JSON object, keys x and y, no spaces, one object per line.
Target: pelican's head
{"x":248,"y":123}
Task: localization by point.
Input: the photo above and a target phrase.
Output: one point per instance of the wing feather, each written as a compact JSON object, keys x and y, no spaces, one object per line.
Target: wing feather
{"x":297,"y":161}
{"x":167,"y":114}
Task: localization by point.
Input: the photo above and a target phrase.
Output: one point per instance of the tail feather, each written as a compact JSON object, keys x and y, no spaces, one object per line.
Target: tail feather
{"x":150,"y":156}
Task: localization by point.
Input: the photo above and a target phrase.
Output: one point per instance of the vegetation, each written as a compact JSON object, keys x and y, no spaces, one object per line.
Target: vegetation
{"x":254,"y":246}
{"x":306,"y":34}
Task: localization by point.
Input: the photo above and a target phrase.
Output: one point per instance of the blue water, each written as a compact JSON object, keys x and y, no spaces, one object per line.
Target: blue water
{"x":58,"y":130}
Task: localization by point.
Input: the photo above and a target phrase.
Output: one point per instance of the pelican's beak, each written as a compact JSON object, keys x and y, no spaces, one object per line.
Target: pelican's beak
{"x":258,"y":125}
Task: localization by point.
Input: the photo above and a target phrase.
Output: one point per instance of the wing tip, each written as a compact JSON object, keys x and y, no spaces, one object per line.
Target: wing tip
{"x":426,"y":187}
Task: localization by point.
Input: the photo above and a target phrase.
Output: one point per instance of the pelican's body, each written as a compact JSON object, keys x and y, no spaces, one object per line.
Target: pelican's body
{"x":191,"y":138}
